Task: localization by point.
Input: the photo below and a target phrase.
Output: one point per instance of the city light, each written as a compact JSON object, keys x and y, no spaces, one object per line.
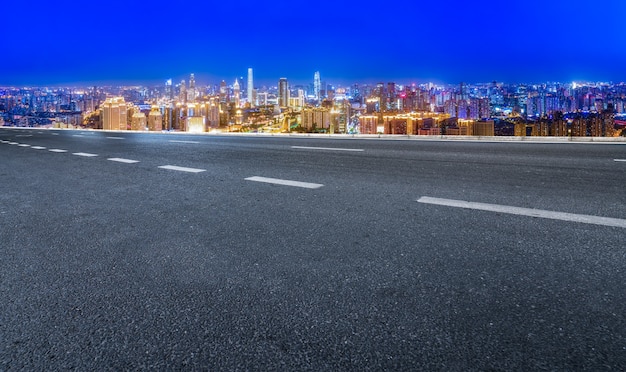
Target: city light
{"x":498,"y":109}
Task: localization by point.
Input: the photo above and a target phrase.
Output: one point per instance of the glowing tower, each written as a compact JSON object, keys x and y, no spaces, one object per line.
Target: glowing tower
{"x":250,"y":93}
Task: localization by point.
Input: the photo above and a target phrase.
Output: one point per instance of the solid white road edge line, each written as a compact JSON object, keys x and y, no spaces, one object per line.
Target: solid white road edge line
{"x":583,"y":218}
{"x":325,"y":148}
{"x":277,"y":181}
{"x":182,"y":169}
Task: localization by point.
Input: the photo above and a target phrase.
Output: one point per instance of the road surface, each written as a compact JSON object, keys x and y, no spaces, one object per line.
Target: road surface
{"x":173,"y":251}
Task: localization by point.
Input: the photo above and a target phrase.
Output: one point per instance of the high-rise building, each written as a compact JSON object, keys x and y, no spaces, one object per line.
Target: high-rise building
{"x":155,"y":119}
{"x":114,"y":114}
{"x":211,"y":113}
{"x":169,"y":91}
{"x":316,"y":119}
{"x":317,"y":85}
{"x":283,"y":92}
{"x":223,"y":92}
{"x":191,"y":95}
{"x":237,"y":92}
{"x":138,"y":121}
{"x":183,"y":92}
{"x":250,"y":92}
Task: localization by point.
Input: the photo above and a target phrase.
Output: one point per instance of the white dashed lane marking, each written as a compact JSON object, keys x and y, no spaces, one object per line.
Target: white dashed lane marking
{"x":23,"y":145}
{"x":325,"y":148}
{"x":175,"y":141}
{"x":13,"y":143}
{"x":622,"y":160}
{"x":117,"y":138}
{"x":57,"y":150}
{"x":182,"y":169}
{"x":278,"y":181}
{"x":38,"y":148}
{"x":570,"y":217}
{"x":85,"y":154}
{"x":122,"y":160}
{"x":77,"y":135}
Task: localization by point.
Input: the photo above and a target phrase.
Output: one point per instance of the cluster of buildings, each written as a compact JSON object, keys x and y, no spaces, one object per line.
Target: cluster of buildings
{"x":549,"y":109}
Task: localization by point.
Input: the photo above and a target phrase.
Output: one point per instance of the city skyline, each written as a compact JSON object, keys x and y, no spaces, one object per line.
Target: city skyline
{"x":512,"y":42}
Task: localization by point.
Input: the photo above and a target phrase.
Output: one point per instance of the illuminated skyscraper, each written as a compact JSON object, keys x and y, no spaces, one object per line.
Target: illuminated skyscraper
{"x":223,"y":92}
{"x":191,"y":95}
{"x":250,"y":92}
{"x":114,"y":114}
{"x":236,"y":92}
{"x":283,"y":92}
{"x":169,"y":92}
{"x":182,"y":97}
{"x":317,"y":85}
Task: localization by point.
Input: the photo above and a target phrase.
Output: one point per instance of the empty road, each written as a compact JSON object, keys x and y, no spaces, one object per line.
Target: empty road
{"x":192,"y":252}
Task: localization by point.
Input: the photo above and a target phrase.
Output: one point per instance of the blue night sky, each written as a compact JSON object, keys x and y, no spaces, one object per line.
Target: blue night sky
{"x":68,"y":42}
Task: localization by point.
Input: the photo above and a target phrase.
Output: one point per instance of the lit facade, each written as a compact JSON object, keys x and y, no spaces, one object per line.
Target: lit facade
{"x":250,"y":93}
{"x":283,"y":92}
{"x":317,"y":85}
{"x":138,"y":121}
{"x":155,"y":120}
{"x":114,"y":114}
{"x":316,"y":119}
{"x":195,"y":124}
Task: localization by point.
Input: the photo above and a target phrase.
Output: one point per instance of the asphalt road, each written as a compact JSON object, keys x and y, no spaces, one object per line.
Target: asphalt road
{"x":124,"y":265}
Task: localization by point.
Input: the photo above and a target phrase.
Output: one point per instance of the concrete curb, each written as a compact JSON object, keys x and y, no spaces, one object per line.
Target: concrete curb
{"x":393,"y":137}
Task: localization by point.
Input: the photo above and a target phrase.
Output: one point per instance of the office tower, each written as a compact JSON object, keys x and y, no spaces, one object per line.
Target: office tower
{"x":182,"y":97}
{"x":223,"y":92}
{"x":317,"y":85}
{"x":114,"y":114}
{"x":191,"y":95}
{"x":155,"y":119}
{"x":236,"y":92}
{"x":463,"y":91}
{"x":250,"y":92}
{"x":169,"y":91}
{"x":283,"y":92}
